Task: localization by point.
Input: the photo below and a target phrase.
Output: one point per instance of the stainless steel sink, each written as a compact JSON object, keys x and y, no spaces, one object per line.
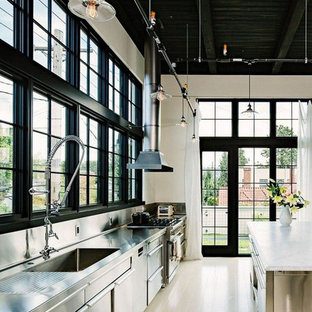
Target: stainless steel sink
{"x":74,"y":261}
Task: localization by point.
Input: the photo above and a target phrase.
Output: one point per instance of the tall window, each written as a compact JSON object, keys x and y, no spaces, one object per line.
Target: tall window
{"x":90,"y":169}
{"x":89,"y":66}
{"x":134,"y":103}
{"x":49,"y":126}
{"x":115,"y":165}
{"x":11,"y":14}
{"x":133,"y":175}
{"x":287,"y":118}
{"x":7,"y":127}
{"x":50,"y":36}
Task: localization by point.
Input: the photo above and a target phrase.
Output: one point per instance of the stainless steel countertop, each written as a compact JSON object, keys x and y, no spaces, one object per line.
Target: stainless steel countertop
{"x":27,"y":291}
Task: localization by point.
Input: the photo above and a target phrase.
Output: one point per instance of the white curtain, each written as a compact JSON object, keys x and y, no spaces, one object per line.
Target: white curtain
{"x":193,"y":192}
{"x":305,"y":158}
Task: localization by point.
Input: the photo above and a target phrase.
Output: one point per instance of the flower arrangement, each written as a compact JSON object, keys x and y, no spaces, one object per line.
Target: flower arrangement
{"x":280,"y":196}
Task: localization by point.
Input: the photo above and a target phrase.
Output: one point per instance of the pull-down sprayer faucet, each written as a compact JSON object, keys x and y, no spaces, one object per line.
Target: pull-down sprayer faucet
{"x":53,"y":208}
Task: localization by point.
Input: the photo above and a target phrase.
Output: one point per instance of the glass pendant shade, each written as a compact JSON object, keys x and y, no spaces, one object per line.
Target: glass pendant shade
{"x":160,"y":94}
{"x":183,"y":122}
{"x":97,"y":10}
{"x":249,"y":112}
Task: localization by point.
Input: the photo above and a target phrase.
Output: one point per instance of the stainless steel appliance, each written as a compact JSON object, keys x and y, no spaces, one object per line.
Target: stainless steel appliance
{"x":175,"y":241}
{"x":165,"y":210}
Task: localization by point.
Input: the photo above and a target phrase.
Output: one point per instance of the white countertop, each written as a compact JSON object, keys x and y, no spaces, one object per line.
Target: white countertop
{"x":283,"y":248}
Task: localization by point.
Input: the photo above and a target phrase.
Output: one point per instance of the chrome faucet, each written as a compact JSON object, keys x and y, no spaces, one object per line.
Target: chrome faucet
{"x":53,"y":208}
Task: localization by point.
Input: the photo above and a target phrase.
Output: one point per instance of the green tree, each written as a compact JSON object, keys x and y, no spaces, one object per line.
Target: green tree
{"x":208,"y":189}
{"x":284,"y":156}
{"x":223,"y":165}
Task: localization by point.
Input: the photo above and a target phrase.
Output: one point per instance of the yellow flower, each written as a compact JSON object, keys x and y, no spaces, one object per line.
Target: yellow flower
{"x":291,"y":199}
{"x":283,"y":189}
{"x":294,"y":209}
{"x":277,"y":199}
{"x":271,"y":180}
{"x":270,"y":193}
{"x":306,"y":203}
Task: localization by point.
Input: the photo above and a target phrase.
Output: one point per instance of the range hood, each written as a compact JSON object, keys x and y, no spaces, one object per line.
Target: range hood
{"x":151,"y":159}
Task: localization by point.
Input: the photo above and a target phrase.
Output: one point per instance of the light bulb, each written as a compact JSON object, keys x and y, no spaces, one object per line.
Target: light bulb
{"x":91,"y":9}
{"x":183,"y":122}
{"x":225,"y":49}
{"x":160,"y":95}
{"x":193,"y":138}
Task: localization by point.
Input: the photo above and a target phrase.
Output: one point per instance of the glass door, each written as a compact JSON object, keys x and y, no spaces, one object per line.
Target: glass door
{"x":217,"y":230}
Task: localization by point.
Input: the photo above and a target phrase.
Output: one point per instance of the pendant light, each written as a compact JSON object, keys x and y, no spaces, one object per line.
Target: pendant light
{"x":97,"y":10}
{"x":194,"y":120}
{"x":183,"y":122}
{"x":160,"y":94}
{"x":249,"y":112}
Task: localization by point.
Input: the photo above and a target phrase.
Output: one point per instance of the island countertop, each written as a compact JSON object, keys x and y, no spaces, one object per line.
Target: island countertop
{"x":283,"y":248}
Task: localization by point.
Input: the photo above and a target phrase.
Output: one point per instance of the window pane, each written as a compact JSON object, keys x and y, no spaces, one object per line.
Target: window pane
{"x":40,"y":112}
{"x":93,"y":85}
{"x":94,"y":56}
{"x":6,"y":145}
{"x":93,"y":133}
{"x":110,"y":189}
{"x":39,"y":183}
{"x":117,"y":106}
{"x":223,"y":110}
{"x":93,"y":190}
{"x":41,"y":12}
{"x":262,"y":128}
{"x":58,"y":59}
{"x":283,"y":128}
{"x":57,"y":186}
{"x":110,"y":164}
{"x":117,"y":189}
{"x":245,"y":128}
{"x":111,"y":72}
{"x":40,"y":151}
{"x":117,"y":82}
{"x":58,"y":23}
{"x":111,"y":98}
{"x":283,"y":110}
{"x":83,"y":129}
{"x":263,"y":110}
{"x":83,"y":190}
{"x":6,"y":22}
{"x":117,"y":142}
{"x":40,"y":46}
{"x":58,"y":162}
{"x":6,"y":99}
{"x":58,"y":119}
{"x":206,"y":128}
{"x":83,"y":77}
{"x":118,"y":166}
{"x":6,"y":189}
{"x":83,"y":46}
{"x":223,"y":128}
{"x":93,"y":161}
{"x":207,"y":110}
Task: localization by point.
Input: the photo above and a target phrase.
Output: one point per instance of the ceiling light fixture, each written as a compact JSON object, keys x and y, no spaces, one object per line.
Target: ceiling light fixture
{"x":97,"y":10}
{"x":160,"y":94}
{"x":249,"y":111}
{"x":183,"y":122}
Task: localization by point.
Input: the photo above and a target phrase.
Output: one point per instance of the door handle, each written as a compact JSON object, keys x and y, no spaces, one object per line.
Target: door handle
{"x":100,"y":295}
{"x":124,"y":277}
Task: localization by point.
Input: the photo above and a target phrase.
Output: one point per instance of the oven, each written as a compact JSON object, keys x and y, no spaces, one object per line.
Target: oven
{"x":175,"y":249}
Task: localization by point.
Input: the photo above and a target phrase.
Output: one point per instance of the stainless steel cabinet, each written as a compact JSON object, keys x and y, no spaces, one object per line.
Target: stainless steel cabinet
{"x":123,"y":299}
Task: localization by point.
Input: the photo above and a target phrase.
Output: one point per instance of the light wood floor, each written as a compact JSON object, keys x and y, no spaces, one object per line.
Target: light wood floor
{"x":209,"y":285}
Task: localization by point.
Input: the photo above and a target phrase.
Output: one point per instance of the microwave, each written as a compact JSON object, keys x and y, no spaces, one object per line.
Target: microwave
{"x":165,"y":210}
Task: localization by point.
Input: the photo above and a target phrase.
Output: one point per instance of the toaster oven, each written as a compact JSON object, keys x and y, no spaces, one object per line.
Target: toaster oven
{"x":165,"y":210}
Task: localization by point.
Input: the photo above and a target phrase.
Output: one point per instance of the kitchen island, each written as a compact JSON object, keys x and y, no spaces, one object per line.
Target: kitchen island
{"x":281,"y":276}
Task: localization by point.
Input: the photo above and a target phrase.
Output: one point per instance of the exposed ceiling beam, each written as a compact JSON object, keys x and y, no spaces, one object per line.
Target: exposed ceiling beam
{"x":293,"y":20}
{"x":207,"y":32}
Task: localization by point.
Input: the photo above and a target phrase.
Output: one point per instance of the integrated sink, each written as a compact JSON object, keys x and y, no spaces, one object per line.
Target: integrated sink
{"x":74,"y":261}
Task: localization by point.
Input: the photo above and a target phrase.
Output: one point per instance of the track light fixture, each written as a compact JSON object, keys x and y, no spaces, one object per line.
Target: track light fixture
{"x":160,"y":94}
{"x":97,"y":10}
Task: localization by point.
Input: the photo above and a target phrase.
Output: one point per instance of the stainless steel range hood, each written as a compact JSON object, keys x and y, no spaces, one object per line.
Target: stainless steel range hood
{"x":151,"y":159}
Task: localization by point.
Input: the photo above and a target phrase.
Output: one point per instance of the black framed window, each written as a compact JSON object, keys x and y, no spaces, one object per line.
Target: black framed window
{"x":216,"y":119}
{"x":7,"y":145}
{"x":11,"y":20}
{"x":90,"y":57}
{"x":49,"y":126}
{"x":133,"y":175}
{"x":90,"y":134}
{"x":116,"y":165}
{"x":134,"y":103}
{"x":50,"y":36}
{"x":258,"y":125}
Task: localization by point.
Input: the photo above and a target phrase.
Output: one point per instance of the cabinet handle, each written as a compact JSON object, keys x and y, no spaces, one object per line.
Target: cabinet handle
{"x":100,"y":295}
{"x":124,"y":277}
{"x":155,"y":274}
{"x":155,"y":250}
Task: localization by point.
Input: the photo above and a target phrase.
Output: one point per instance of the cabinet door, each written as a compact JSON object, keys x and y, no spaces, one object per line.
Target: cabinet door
{"x":123,"y":298}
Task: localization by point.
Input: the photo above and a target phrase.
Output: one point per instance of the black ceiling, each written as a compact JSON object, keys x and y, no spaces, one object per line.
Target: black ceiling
{"x":251,"y":29}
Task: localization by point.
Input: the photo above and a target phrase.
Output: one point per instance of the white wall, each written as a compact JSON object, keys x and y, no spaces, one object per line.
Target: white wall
{"x":120,"y":42}
{"x":170,"y":186}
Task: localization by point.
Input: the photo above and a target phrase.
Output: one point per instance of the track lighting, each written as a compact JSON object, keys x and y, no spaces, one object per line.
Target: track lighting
{"x":97,"y":10}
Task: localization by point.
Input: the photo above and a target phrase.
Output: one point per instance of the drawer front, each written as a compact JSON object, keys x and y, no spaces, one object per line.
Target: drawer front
{"x":72,"y":303}
{"x":154,"y":260}
{"x":154,"y":284}
{"x":153,"y":244}
{"x":102,"y":281}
